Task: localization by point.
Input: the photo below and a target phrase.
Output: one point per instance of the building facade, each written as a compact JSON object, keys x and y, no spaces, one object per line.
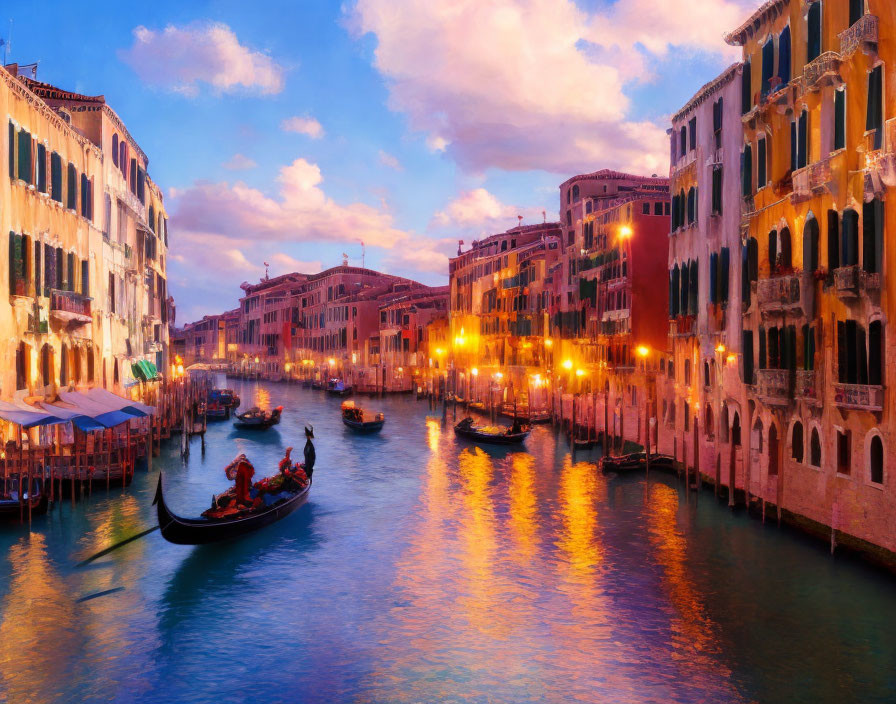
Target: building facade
{"x":88,"y":244}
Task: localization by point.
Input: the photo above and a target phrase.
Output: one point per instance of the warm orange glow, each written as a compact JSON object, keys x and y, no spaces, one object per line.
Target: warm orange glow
{"x":439,"y":351}
{"x":499,"y":376}
{"x":721,"y":348}
{"x":548,"y":342}
{"x":256,"y":360}
{"x":331,"y":361}
{"x":625,"y":232}
{"x":567,"y":364}
{"x":643,"y":351}
{"x":287,"y":367}
{"x":474,"y":371}
{"x":731,"y":359}
{"x":580,"y":372}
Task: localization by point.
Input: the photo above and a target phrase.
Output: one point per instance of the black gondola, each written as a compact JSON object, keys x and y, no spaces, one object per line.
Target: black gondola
{"x":353,"y":417}
{"x":337,"y":387}
{"x":199,"y":531}
{"x":12,"y":508}
{"x":256,"y":419}
{"x":466,"y":429}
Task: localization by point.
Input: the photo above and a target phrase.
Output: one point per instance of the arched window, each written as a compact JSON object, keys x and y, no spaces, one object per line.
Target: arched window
{"x":46,"y":365}
{"x":735,"y":430}
{"x":708,"y":422}
{"x":757,"y":440}
{"x":723,"y":424}
{"x":786,"y":257}
{"x":849,"y":239}
{"x":814,"y":44}
{"x":687,"y":372}
{"x":63,"y":367}
{"x":115,"y":148}
{"x":588,"y":207}
{"x":810,"y":244}
{"x":692,"y":205}
{"x":707,"y":380}
{"x":833,"y":240}
{"x":815,"y":449}
{"x":773,"y":249}
{"x":796,"y":442}
{"x":575,"y":193}
{"x":772,"y":450}
{"x":876,"y":460}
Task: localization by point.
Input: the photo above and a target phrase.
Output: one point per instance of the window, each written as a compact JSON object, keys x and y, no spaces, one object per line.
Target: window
{"x":814,"y":21}
{"x":772,"y":450}
{"x":810,"y":244}
{"x":761,"y":162}
{"x":747,"y":347}
{"x":56,"y":177}
{"x":815,"y":449}
{"x":746,"y":171}
{"x":843,"y":452}
{"x":796,"y":443}
{"x":23,"y":357}
{"x":802,"y":143}
{"x":849,"y":239}
{"x":684,"y":141}
{"x":717,"y":190}
{"x":856,"y":11}
{"x":746,"y":88}
{"x":575,"y":193}
{"x":872,"y":236}
{"x":658,"y":207}
{"x":717,"y":113}
{"x":875,"y":118}
{"x":784,"y":56}
{"x":840,"y":119}
{"x":785,"y":258}
{"x":808,"y":348}
{"x":833,"y":240}
{"x":115,"y":148}
{"x":72,"y":183}
{"x":875,"y":353}
{"x":768,"y":66}
{"x":692,"y":205}
{"x":41,"y":168}
{"x":12,"y":150}
{"x":25,"y":171}
{"x":645,"y":208}
{"x":876,"y":460}
{"x":692,"y":132}
{"x":17,"y":266}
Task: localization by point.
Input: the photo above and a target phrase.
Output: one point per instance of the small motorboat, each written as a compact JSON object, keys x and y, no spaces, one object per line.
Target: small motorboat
{"x":498,"y":435}
{"x":636,"y":461}
{"x":338,"y":387}
{"x":257,"y":419}
{"x":12,"y":506}
{"x":198,"y":531}
{"x":360,"y":420}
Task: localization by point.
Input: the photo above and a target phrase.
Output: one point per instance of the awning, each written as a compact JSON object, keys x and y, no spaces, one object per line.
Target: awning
{"x":100,"y":413}
{"x":120,"y":403}
{"x":70,"y":414}
{"x":144,"y":370}
{"x":27,"y":418}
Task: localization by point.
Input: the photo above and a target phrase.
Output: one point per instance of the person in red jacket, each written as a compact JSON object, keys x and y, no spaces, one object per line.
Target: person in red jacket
{"x":242,"y":471}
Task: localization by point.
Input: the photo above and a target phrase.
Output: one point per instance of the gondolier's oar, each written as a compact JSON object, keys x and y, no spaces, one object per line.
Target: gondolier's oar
{"x":117,"y":545}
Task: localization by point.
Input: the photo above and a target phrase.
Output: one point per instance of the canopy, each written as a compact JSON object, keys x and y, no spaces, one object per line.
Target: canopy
{"x":116,"y":402}
{"x":102,"y":414}
{"x":144,"y":371}
{"x":68,"y":414}
{"x":27,"y":418}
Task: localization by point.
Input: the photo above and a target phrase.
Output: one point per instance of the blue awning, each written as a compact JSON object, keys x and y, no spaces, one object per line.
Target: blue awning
{"x":27,"y":418}
{"x":100,"y":413}
{"x":116,"y":402}
{"x":74,"y":416}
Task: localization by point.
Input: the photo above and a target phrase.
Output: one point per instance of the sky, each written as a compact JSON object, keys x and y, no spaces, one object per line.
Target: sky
{"x":291,"y":132}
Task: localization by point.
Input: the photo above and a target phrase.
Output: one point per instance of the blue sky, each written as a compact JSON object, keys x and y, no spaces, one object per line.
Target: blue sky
{"x":429,"y":122}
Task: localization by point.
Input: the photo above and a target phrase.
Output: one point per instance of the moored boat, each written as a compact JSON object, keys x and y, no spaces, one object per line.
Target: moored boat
{"x":256,"y":419}
{"x":635,"y":461}
{"x":338,"y":387}
{"x":492,"y":434}
{"x":14,"y":506}
{"x":360,"y":420}
{"x":198,"y":531}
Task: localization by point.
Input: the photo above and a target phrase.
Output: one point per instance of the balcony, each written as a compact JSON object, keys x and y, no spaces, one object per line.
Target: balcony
{"x":880,"y":163}
{"x":38,"y":320}
{"x":806,"y":386}
{"x":780,"y":294}
{"x":70,"y":308}
{"x":773,"y":386}
{"x":811,"y":180}
{"x":863,"y":34}
{"x":860,"y":397}
{"x":821,"y":72}
{"x":852,"y":282}
{"x":683,"y":326}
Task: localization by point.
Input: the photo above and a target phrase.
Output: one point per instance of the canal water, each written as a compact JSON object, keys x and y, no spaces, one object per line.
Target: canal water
{"x":426,"y":569}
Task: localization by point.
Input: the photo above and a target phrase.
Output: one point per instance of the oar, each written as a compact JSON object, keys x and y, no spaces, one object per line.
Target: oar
{"x":96,"y":595}
{"x":106,"y":551}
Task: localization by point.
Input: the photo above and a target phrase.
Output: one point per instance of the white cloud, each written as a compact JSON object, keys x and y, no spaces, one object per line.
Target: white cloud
{"x":533,"y":84}
{"x":387,"y":159}
{"x":287,"y":264}
{"x":181,"y":58}
{"x":239,"y":162}
{"x":480,"y":212}
{"x":429,"y":256}
{"x":303,"y":125}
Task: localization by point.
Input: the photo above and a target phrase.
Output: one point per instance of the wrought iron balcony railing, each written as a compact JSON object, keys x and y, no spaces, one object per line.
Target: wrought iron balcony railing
{"x":863,"y":397}
{"x":70,"y":306}
{"x":863,"y":33}
{"x":774,"y":386}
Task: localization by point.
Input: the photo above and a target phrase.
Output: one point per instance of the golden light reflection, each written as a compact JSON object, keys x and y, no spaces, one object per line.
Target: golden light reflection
{"x":39,"y":624}
{"x":262,"y":398}
{"x":579,"y":496}
{"x":693,"y":637}
{"x":523,"y":506}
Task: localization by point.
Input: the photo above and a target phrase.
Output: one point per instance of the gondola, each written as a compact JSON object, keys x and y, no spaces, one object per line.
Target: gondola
{"x":198,"y":531}
{"x":337,"y":387}
{"x":354,"y":417}
{"x":256,"y":419}
{"x":11,"y":508}
{"x":636,"y":461}
{"x":466,"y":429}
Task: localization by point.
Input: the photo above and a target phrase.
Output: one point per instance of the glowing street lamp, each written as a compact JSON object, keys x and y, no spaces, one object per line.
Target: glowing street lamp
{"x":643,"y":351}
{"x":548,"y":342}
{"x":580,"y":372}
{"x":625,"y":232}
{"x":567,"y":364}
{"x":474,"y":371}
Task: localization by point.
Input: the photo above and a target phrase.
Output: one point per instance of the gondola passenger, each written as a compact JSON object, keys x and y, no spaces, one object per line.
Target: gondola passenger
{"x":242,"y":471}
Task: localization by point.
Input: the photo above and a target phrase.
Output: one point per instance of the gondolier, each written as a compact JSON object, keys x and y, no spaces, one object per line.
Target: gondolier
{"x":310,"y":454}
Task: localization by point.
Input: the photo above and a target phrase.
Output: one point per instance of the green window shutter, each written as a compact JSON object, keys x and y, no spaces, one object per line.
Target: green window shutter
{"x":72,"y":200}
{"x":41,"y":168}
{"x":12,"y":263}
{"x":85,"y":278}
{"x":12,"y":150}
{"x":56,"y":177}
{"x":25,"y":156}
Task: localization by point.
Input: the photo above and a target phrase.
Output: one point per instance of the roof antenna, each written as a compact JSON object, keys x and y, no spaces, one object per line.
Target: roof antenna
{"x":363,"y":252}
{"x":267,"y":276}
{"x":5,"y":44}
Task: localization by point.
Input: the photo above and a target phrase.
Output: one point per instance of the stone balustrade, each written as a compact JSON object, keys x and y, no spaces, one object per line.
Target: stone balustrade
{"x":773,"y":386}
{"x":863,"y":397}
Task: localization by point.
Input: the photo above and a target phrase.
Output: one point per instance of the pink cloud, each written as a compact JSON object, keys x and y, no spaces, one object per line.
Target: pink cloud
{"x":181,"y":58}
{"x":531,"y":84}
{"x":387,"y":159}
{"x":428,"y":256}
{"x":307,"y":126}
{"x":480,"y":212}
{"x":239,"y":162}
